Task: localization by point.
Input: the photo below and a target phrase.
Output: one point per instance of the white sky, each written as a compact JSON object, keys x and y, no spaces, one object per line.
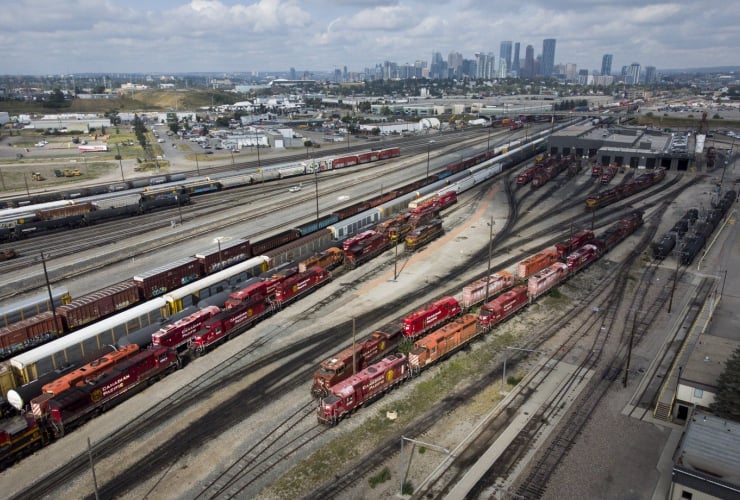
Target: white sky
{"x":172,"y":36}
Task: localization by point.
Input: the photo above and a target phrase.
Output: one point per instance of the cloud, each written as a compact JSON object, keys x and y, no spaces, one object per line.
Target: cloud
{"x":241,"y":35}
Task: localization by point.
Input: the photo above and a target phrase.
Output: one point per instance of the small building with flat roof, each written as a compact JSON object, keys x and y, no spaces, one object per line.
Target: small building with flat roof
{"x":707,"y":461}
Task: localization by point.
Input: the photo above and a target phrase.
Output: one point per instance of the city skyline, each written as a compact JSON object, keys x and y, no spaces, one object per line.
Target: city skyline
{"x":177,"y":36}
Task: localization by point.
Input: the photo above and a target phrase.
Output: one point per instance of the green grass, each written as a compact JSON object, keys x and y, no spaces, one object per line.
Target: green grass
{"x":424,"y":393}
{"x":383,"y":476}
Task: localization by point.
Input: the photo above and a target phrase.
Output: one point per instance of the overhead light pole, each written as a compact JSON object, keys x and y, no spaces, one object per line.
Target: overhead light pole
{"x":490,"y":246}
{"x":197,"y":165}
{"x":120,"y":162}
{"x":316,"y":183}
{"x":218,"y":240}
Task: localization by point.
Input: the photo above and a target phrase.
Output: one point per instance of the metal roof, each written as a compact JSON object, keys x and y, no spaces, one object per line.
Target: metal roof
{"x":34,"y":355}
{"x":711,"y":446}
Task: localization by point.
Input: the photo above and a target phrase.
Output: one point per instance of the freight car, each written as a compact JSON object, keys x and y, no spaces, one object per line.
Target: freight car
{"x":29,"y":333}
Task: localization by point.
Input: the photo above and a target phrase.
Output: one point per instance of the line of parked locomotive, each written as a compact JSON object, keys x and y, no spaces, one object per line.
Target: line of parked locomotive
{"x":447,"y":324}
{"x":204,"y":324}
{"x":546,"y":169}
{"x":613,"y":195}
{"x":690,"y":233}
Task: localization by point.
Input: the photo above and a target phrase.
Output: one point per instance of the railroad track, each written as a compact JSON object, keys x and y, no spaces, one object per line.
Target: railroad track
{"x":266,"y":453}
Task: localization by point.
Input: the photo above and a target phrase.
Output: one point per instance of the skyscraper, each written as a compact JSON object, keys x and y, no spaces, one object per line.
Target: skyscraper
{"x":650,"y":75}
{"x":454,"y":64}
{"x":528,"y":70}
{"x":515,"y":63}
{"x":633,"y":74}
{"x":485,"y":66}
{"x":606,"y":65}
{"x":548,"y":56}
{"x":505,"y":54}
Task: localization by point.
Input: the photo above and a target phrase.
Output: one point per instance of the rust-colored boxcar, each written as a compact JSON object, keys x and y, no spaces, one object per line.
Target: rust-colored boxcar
{"x":163,"y":279}
{"x":28,"y":333}
{"x":97,"y":305}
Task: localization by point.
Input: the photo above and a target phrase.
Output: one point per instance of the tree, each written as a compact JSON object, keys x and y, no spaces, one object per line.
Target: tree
{"x":727,"y":403}
{"x":56,"y":100}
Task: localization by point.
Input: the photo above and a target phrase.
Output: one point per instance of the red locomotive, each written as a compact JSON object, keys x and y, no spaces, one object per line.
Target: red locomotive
{"x":429,"y":316}
{"x":367,"y":249}
{"x":359,"y":389}
{"x":582,"y":257}
{"x":91,"y":371}
{"x":79,"y":403}
{"x":367,"y":351}
{"x":228,"y":323}
{"x":253,"y":291}
{"x":300,"y":284}
{"x":503,"y":306}
{"x":577,"y":241}
{"x":179,"y":333}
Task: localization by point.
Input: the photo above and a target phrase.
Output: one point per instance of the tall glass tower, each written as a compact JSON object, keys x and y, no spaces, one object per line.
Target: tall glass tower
{"x":606,"y":65}
{"x":548,"y":56}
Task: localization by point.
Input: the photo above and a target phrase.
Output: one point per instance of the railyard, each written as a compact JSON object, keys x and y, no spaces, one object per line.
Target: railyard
{"x":356,"y":294}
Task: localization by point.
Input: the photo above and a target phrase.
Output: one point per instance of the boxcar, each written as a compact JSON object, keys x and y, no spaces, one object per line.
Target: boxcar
{"x":221,"y":256}
{"x":98,"y":304}
{"x":159,"y":281}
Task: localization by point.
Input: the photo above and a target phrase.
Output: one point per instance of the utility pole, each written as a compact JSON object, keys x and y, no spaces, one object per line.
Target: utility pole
{"x":490,"y":245}
{"x":675,"y":279}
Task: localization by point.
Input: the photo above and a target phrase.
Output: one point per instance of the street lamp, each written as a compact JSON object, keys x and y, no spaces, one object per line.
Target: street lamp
{"x":490,"y":244}
{"x":179,"y":207}
{"x":218,"y":240}
{"x":257,"y":145}
{"x":120,"y":163}
{"x":316,"y":183}
{"x":429,"y":148}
